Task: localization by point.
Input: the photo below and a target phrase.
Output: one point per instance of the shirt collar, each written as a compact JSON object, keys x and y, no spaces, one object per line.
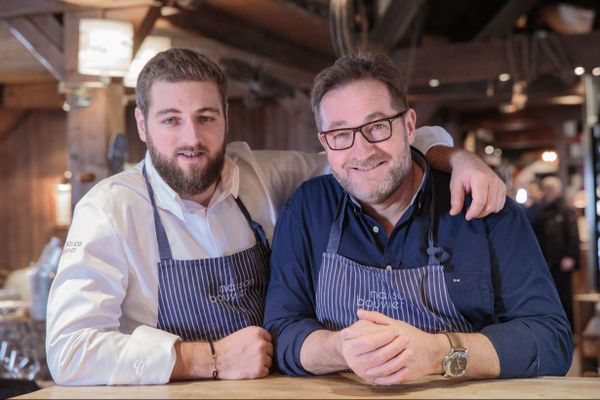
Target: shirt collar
{"x":417,"y":200}
{"x":167,"y":199}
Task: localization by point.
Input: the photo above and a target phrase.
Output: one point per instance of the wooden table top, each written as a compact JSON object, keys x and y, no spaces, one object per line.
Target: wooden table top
{"x":336,"y":386}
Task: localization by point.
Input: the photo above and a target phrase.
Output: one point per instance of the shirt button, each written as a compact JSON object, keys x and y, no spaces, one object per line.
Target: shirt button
{"x":388,"y":267}
{"x":376,"y":229}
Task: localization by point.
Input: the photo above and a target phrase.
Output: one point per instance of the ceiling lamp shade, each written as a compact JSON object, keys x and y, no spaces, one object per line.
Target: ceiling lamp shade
{"x":105,"y":47}
{"x":150,"y":47}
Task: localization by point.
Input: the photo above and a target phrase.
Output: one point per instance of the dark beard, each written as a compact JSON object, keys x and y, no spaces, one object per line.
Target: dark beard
{"x":198,"y":179}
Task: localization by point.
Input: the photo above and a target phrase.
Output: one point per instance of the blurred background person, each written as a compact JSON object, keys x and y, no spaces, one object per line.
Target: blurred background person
{"x":533,"y":203}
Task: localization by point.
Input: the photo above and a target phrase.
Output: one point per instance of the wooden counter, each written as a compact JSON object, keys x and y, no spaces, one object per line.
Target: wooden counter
{"x":337,"y":386}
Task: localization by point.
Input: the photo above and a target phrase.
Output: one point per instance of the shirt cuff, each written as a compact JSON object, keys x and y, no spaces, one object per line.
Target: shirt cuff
{"x":148,"y":358}
{"x":428,"y":136}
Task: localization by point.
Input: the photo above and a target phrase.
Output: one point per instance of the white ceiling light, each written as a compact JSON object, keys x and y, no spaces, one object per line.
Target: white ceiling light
{"x":105,"y":47}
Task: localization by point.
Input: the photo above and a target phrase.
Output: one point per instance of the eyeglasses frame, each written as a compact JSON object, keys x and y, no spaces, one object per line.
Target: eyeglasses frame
{"x":360,"y":128}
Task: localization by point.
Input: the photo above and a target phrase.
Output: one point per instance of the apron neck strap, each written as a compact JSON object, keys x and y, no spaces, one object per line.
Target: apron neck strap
{"x":164,"y":249}
{"x":335,"y":234}
{"x":258,"y":230}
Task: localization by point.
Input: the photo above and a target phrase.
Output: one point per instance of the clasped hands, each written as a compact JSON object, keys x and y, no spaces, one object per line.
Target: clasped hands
{"x":385,"y":351}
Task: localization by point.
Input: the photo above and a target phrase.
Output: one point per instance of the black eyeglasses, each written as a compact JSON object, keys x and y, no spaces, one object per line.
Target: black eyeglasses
{"x":373,"y":132}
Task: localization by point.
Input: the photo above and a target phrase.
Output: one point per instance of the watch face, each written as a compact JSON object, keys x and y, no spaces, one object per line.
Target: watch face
{"x":457,"y":364}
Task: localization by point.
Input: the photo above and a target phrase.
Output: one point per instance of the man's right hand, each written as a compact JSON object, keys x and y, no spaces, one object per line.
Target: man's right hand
{"x":245,"y":354}
{"x":367,"y":346}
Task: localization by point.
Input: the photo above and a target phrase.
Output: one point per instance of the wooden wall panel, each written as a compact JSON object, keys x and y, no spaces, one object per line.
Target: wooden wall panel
{"x":32,"y":160}
{"x":285,"y":124}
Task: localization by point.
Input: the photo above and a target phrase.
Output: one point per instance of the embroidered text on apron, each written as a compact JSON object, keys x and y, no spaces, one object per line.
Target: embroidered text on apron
{"x":213,"y":297}
{"x":418,"y":296}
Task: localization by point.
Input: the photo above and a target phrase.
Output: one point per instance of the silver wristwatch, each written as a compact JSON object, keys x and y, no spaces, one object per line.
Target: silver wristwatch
{"x":455,"y":363}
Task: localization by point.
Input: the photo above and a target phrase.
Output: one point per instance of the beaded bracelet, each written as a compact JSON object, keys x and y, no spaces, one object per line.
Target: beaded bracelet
{"x":215,"y":373}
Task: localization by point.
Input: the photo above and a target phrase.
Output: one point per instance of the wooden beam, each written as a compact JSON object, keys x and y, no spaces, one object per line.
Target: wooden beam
{"x":44,"y":49}
{"x":88,"y":134}
{"x":145,"y":28}
{"x":540,"y":91}
{"x":217,"y":25}
{"x":289,"y":20}
{"x":527,"y":138}
{"x":110,"y":3}
{"x":18,"y":65}
{"x":458,"y":91}
{"x":25,"y":76}
{"x":21,"y":8}
{"x":529,"y":118}
{"x":9,"y":120}
{"x":53,"y":29}
{"x":477,"y":61}
{"x":391,"y":27}
{"x":18,"y":8}
{"x":505,"y":19}
{"x":32,"y":96}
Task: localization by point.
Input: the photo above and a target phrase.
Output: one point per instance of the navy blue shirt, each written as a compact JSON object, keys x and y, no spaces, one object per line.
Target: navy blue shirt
{"x":496,"y":274}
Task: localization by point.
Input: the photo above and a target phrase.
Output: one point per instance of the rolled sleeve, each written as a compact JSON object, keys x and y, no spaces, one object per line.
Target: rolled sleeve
{"x":522,"y":363}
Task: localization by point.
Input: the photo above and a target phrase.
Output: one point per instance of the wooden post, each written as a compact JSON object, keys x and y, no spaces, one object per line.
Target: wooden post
{"x":88,"y":133}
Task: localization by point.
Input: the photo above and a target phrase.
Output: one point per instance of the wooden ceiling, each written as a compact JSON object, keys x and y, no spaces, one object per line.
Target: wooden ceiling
{"x":463,"y":44}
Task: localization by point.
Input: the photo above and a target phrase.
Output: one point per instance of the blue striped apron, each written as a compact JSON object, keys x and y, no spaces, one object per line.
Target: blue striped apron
{"x":210,"y":298}
{"x":418,"y":296}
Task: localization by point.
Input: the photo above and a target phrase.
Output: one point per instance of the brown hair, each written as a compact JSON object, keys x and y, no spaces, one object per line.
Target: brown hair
{"x":365,"y":64}
{"x":177,"y":65}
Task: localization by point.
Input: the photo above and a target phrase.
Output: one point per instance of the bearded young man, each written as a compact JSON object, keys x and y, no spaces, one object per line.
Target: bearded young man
{"x":165,"y":268}
{"x":370,"y":271}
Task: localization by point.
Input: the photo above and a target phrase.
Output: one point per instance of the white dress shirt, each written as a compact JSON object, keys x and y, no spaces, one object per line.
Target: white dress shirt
{"x":103,"y":305}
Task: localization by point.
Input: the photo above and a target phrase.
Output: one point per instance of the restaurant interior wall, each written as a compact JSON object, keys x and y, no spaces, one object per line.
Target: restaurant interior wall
{"x":33,"y":158}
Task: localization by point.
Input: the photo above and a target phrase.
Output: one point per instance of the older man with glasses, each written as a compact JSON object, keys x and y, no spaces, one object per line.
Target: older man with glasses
{"x":370,"y":272}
